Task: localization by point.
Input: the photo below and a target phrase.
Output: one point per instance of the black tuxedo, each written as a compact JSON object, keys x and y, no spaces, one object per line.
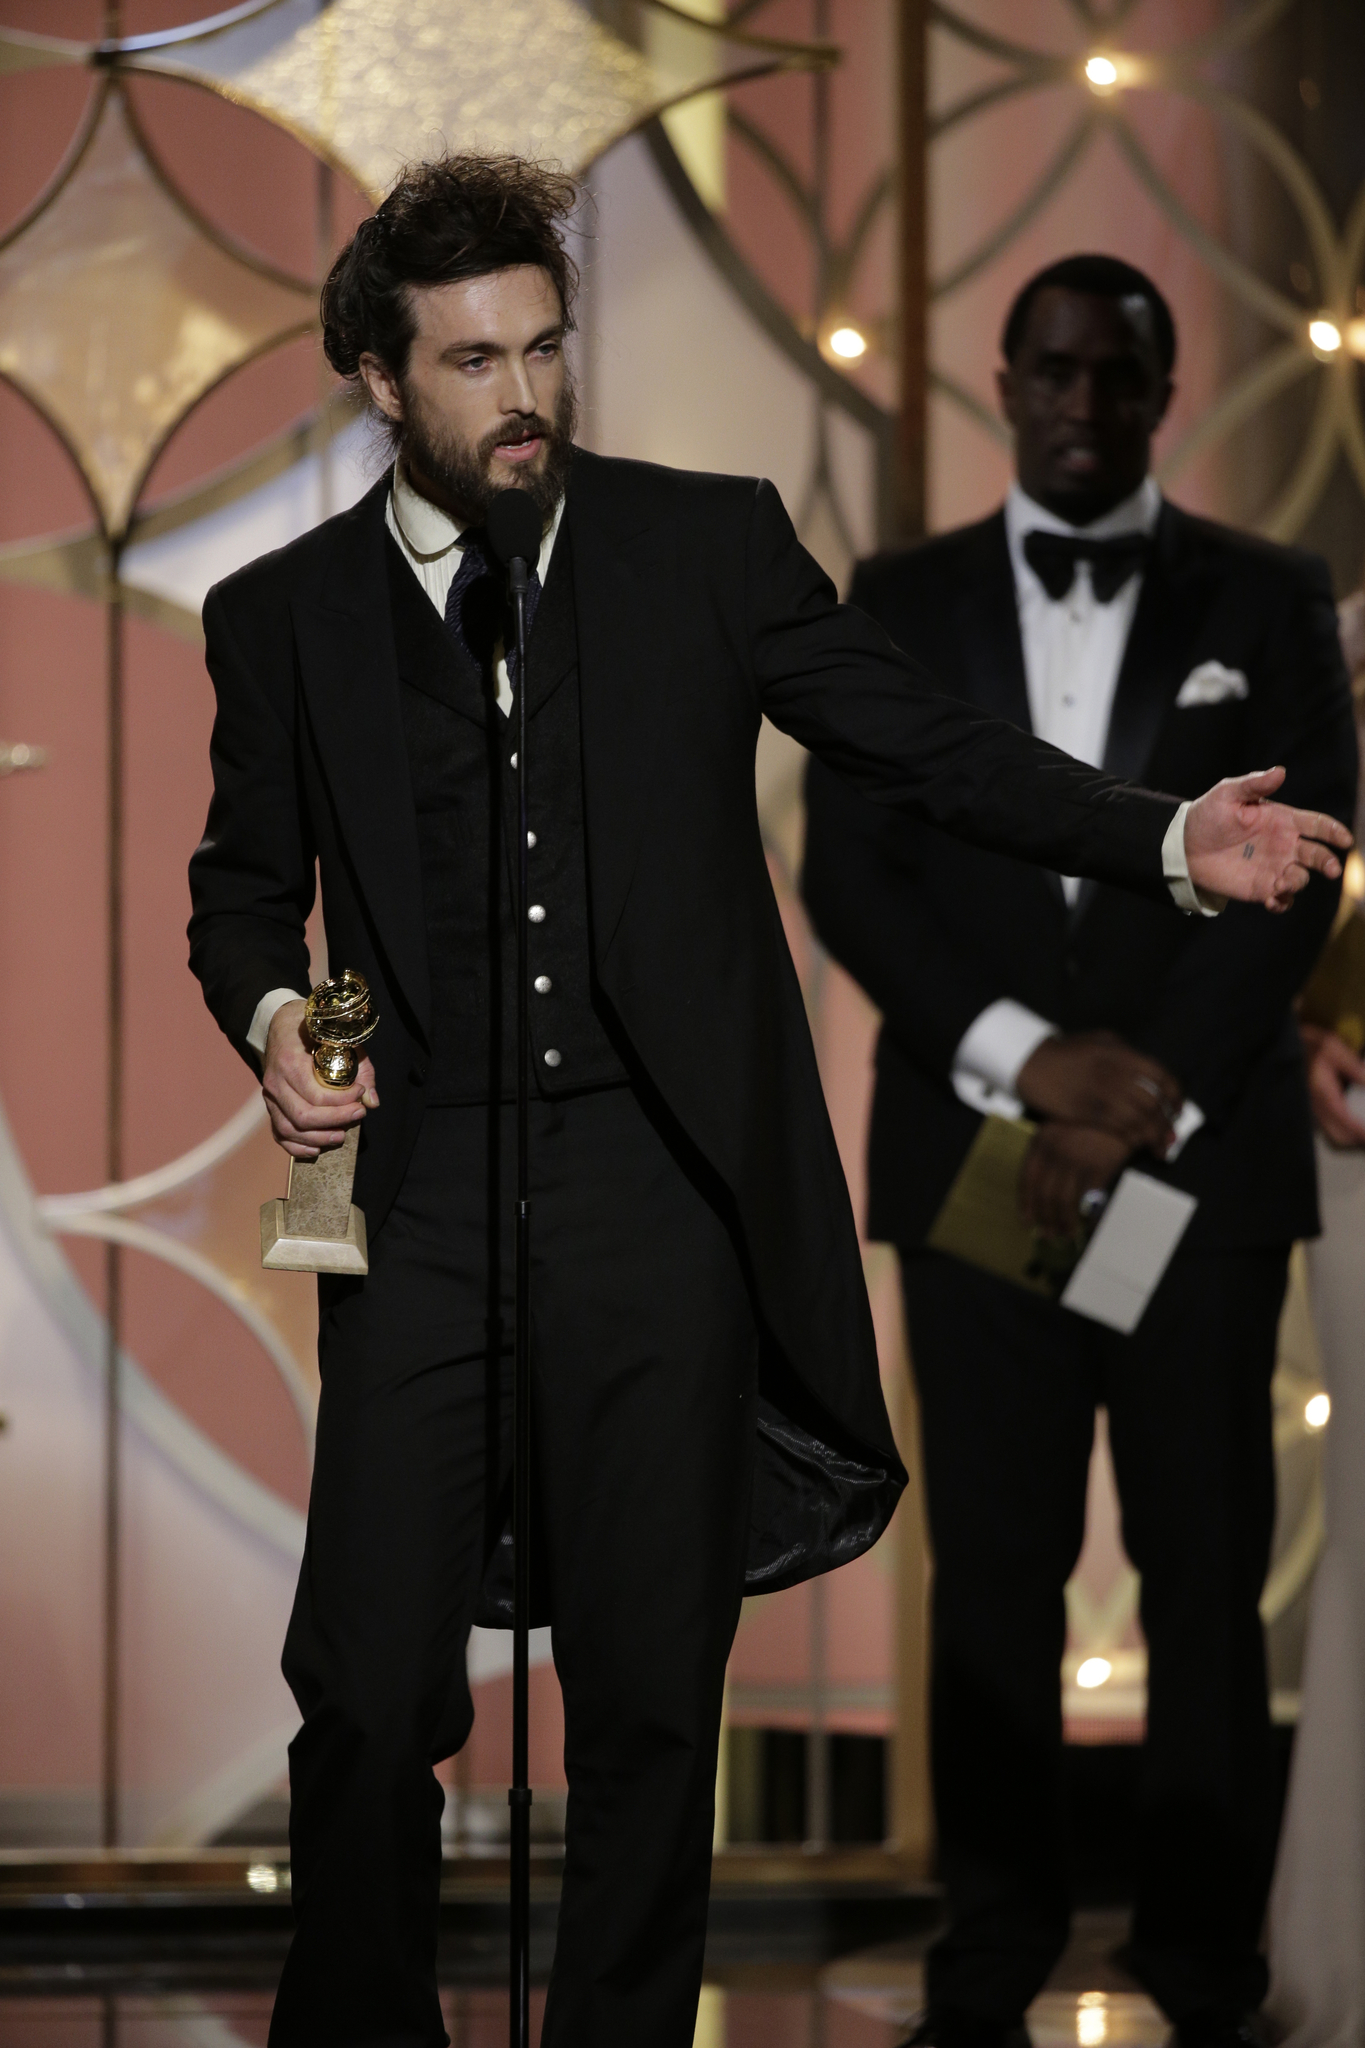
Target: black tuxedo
{"x":937,"y":932}
{"x":696,"y":612}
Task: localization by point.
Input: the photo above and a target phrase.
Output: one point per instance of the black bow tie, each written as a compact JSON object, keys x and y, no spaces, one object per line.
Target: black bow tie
{"x":1053,"y":558}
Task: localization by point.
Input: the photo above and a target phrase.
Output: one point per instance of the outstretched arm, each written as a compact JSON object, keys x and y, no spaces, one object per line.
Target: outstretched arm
{"x":1241,"y":845}
{"x":830,"y":677}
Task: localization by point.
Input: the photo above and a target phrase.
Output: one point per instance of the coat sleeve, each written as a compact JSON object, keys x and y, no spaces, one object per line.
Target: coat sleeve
{"x":252,"y":876}
{"x":828,"y":676}
{"x":1226,"y":996}
{"x":862,"y":884}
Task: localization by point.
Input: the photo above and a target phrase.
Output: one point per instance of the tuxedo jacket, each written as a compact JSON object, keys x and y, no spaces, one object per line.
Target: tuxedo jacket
{"x":935,"y":931}
{"x":697,"y":613}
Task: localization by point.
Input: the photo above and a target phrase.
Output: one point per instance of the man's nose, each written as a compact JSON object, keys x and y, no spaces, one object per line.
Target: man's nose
{"x":1081,"y":401}
{"x":516,"y":394}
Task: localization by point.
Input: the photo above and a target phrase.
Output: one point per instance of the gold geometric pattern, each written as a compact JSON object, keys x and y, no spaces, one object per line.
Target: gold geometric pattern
{"x":120,"y":308}
{"x":370,"y":84}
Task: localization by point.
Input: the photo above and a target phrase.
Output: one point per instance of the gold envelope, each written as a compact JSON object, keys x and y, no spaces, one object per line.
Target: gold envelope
{"x":1335,"y":994}
{"x":981,"y":1222}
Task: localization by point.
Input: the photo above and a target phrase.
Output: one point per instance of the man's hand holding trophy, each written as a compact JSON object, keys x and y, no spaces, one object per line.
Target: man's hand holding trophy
{"x":318,"y":1091}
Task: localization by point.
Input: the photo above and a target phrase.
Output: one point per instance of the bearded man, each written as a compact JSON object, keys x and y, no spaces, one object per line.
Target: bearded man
{"x":708,"y":1417}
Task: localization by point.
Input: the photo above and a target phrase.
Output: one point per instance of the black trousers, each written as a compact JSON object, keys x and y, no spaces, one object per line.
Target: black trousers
{"x":1008,"y":1389}
{"x":644,"y":1355}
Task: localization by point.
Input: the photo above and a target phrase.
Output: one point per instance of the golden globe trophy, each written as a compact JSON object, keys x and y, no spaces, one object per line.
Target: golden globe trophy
{"x":317,"y":1228}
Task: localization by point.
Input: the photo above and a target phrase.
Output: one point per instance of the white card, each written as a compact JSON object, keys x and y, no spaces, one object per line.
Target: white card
{"x":1118,"y":1271}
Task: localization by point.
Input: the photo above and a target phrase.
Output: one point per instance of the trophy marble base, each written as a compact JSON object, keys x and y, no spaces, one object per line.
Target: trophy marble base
{"x":317,"y":1228}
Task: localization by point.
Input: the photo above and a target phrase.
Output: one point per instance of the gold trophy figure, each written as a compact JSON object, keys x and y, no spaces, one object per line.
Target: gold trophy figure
{"x":317,"y":1227}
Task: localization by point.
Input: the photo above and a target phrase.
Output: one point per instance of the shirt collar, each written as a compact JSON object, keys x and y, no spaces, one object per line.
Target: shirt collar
{"x":1137,"y":514}
{"x":429,"y":532}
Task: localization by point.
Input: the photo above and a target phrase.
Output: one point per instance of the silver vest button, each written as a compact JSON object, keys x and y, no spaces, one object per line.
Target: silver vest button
{"x":552,"y":1058}
{"x":543,"y":984}
{"x":537,"y":913}
{"x":530,"y":839}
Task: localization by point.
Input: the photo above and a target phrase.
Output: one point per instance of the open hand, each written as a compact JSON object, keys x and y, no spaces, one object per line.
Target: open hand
{"x":1093,"y":1078}
{"x":1063,"y":1162}
{"x":1332,"y":1069}
{"x":306,"y":1117}
{"x":1239,"y":844}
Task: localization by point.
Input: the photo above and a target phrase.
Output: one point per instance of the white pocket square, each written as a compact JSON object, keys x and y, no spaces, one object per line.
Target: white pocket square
{"x":1210,"y":683}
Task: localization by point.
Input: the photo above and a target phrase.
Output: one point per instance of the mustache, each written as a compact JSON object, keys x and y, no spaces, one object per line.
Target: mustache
{"x":513,"y":437}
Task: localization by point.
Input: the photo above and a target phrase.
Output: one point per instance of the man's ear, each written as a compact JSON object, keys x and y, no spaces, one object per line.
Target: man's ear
{"x":1161,"y":401}
{"x":382,"y":386}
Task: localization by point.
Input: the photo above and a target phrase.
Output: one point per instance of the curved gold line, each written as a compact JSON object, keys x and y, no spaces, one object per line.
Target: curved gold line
{"x":139,"y":1237}
{"x":1256,"y":386}
{"x":1298,"y":180}
{"x":162,"y":1180}
{"x":989,"y":96}
{"x":1217,"y":42}
{"x":1064,"y":161}
{"x":1252,"y":290}
{"x":982,"y":39}
{"x":976,"y":410}
{"x":1286,"y":517}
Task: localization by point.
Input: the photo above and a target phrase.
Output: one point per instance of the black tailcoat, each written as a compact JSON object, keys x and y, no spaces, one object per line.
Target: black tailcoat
{"x":698,"y":612}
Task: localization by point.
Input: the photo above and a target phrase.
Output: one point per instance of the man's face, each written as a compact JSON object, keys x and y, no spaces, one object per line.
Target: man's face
{"x":485,"y":402}
{"x":1084,"y":394}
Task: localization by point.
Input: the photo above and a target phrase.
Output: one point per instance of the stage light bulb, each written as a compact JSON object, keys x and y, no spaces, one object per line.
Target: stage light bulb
{"x":1353,"y":876}
{"x":848,"y":343}
{"x":263,"y":1877}
{"x":1355,"y":336}
{"x":1101,"y":72}
{"x":1325,"y":335}
{"x":1317,"y":1411}
{"x":1093,"y":1672}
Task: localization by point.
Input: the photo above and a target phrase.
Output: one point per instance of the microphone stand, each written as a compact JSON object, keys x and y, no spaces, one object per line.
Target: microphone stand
{"x":519,"y":1797}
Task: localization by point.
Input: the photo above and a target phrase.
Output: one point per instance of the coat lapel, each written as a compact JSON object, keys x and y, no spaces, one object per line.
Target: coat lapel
{"x":988,"y":629}
{"x":349,"y":673}
{"x":1154,"y":662}
{"x":1173,"y":598}
{"x":623,"y":585}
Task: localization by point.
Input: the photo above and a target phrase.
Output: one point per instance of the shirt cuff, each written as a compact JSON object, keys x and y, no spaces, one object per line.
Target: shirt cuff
{"x":265,"y":1010}
{"x":1176,"y":868}
{"x":1190,"y":1119}
{"x":987,"y":1063}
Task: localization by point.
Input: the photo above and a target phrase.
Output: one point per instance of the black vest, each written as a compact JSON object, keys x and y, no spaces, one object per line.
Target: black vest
{"x":460,"y":747}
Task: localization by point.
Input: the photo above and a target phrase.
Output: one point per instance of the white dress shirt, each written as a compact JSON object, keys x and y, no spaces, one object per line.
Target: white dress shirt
{"x":432,"y":543}
{"x":1073,"y":652}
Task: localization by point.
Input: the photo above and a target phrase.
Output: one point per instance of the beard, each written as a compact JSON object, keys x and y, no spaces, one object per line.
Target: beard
{"x":432,"y":448}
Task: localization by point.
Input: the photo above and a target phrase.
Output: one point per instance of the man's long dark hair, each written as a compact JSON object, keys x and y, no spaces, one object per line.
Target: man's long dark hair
{"x":461,"y":216}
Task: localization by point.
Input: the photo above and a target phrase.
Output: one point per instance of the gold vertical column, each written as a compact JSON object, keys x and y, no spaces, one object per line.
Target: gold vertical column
{"x":113,"y":1167}
{"x":912,"y":22}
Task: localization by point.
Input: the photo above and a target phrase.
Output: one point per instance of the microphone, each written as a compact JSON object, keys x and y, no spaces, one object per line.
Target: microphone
{"x":513,"y":528}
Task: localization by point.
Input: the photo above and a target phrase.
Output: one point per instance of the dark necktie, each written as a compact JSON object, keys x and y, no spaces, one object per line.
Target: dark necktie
{"x":1053,"y":558}
{"x":476,"y":610}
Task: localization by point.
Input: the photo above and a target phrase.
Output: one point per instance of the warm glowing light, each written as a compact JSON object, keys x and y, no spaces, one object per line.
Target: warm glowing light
{"x":1092,"y":2020}
{"x":1325,"y":335}
{"x":848,"y":343}
{"x":1101,"y":72}
{"x":1355,"y":337}
{"x":1093,"y":1672}
{"x":263,"y":1877}
{"x":1353,"y":876}
{"x":1317,"y":1411}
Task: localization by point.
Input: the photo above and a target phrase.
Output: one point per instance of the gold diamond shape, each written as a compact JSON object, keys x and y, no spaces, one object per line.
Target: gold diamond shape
{"x":120,"y":308}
